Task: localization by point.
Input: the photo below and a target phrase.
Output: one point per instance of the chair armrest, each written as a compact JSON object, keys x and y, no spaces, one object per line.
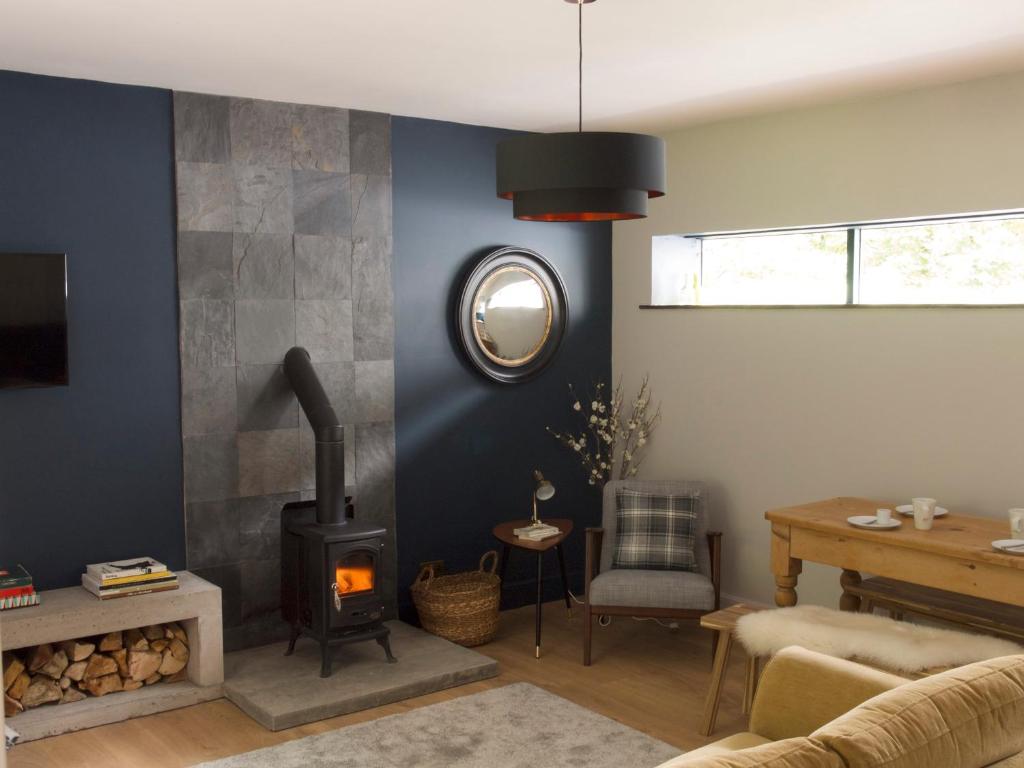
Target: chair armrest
{"x":715,"y":551}
{"x":594,"y":538}
{"x":801,"y":690}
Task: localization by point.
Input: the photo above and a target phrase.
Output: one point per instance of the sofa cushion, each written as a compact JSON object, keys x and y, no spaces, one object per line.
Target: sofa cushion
{"x":726,"y":746}
{"x":653,"y":589}
{"x":791,"y":753}
{"x":964,"y":718}
{"x":654,"y":531}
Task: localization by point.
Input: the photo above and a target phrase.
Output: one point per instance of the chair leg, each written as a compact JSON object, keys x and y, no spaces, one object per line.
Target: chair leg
{"x":587,"y":632}
{"x":717,"y":677}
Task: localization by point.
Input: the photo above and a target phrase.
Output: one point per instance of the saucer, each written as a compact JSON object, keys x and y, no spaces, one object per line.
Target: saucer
{"x":1009,"y":546}
{"x":870,"y":522}
{"x":908,"y":510}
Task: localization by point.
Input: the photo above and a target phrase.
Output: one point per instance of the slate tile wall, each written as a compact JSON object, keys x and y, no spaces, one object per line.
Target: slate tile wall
{"x":284,"y":238}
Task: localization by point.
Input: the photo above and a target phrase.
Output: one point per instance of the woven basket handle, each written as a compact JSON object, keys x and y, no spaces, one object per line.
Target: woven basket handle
{"x":426,"y":576}
{"x":493,"y":554}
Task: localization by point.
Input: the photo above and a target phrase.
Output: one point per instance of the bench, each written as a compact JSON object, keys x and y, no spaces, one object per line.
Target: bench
{"x":897,"y":597}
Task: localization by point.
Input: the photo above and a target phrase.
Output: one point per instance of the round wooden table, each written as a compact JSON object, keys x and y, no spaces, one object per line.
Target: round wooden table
{"x":503,"y":533}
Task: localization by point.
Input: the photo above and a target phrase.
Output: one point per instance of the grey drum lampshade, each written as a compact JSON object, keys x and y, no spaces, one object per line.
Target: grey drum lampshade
{"x":581,"y":176}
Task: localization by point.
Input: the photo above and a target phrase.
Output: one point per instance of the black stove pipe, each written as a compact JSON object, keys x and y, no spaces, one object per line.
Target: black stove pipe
{"x":328,"y":433}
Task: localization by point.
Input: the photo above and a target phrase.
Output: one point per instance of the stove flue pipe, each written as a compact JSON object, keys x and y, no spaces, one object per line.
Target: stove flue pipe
{"x":327,"y":432}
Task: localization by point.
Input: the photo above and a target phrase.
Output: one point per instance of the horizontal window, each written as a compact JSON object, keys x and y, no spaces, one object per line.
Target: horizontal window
{"x":976,"y":259}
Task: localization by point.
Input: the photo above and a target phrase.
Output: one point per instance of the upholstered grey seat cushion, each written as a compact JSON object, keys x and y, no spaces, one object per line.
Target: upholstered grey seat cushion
{"x":653,"y":589}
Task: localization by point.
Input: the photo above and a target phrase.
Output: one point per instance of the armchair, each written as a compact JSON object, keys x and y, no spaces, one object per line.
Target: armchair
{"x":656,"y":594}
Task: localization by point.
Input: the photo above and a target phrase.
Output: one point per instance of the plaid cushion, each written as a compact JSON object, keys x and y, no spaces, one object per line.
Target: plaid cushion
{"x":655,"y":532}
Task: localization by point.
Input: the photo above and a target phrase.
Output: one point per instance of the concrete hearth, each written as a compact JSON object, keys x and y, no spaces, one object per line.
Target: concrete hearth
{"x":281,"y":692}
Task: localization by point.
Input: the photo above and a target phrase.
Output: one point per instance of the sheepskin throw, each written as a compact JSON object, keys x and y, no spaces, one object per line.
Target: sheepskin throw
{"x":896,"y":645}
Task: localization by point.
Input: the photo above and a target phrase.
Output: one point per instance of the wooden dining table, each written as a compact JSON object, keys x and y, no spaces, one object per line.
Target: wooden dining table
{"x":956,"y":555}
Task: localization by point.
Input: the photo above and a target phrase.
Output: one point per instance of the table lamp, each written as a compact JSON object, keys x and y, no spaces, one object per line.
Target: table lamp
{"x":543,"y":490}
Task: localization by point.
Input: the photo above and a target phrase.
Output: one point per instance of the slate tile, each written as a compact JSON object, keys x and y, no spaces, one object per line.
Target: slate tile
{"x":370,"y":142}
{"x":322,"y":203}
{"x":265,"y":399}
{"x":261,"y":132}
{"x":261,"y":589}
{"x":205,"y":194}
{"x":210,"y":467}
{"x":375,"y":489}
{"x":201,"y":128}
{"x":207,"y":333}
{"x":264,"y":266}
{"x":372,"y":300}
{"x":375,"y":390}
{"x":260,"y":525}
{"x":229,"y":579}
{"x":208,"y":402}
{"x":262,"y":199}
{"x":204,"y":265}
{"x":371,"y":206}
{"x":323,"y":267}
{"x":324,"y":328}
{"x":268,"y":462}
{"x":320,"y":139}
{"x":265,"y":330}
{"x":212,"y":533}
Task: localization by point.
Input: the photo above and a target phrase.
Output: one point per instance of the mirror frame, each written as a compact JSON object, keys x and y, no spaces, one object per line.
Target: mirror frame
{"x":549,"y":279}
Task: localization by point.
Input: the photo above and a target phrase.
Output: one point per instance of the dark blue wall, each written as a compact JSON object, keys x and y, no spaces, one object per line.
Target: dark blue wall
{"x":93,"y":471}
{"x":466,"y":446}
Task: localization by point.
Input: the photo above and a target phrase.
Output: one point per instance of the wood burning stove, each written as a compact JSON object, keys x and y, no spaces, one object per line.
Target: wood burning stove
{"x":330,"y":562}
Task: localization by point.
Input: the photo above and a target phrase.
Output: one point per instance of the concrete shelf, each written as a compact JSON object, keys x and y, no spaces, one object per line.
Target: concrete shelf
{"x":65,"y":614}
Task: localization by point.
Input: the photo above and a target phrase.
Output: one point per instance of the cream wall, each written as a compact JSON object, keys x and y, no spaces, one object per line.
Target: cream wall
{"x":773,"y":407}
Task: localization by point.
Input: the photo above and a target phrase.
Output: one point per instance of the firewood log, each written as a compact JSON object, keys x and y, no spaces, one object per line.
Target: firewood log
{"x":159,"y":645}
{"x":120,"y":657}
{"x":132,"y":685}
{"x":111,"y":642}
{"x":156,"y":677}
{"x":77,"y":650}
{"x":39,"y":656}
{"x":171,"y":663}
{"x":99,"y":666}
{"x":134,"y":640}
{"x":175,"y":630}
{"x":178,"y":649}
{"x":55,"y":667}
{"x":71,"y":695}
{"x":153,"y":632}
{"x":65,"y":683}
{"x":177,"y":677}
{"x":19,"y":686}
{"x":76,"y":670}
{"x":12,"y":706}
{"x":101,"y":686}
{"x":142,"y":664}
{"x":13,"y":667}
{"x":41,"y":690}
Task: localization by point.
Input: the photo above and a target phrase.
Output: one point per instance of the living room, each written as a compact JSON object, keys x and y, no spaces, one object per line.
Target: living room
{"x":704,"y":319}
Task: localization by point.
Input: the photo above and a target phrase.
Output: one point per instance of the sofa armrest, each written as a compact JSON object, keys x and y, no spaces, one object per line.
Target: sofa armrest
{"x":593,"y":560}
{"x":801,"y":690}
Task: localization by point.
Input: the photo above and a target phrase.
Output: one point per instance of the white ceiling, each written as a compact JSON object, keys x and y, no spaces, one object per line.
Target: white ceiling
{"x":649,"y":64}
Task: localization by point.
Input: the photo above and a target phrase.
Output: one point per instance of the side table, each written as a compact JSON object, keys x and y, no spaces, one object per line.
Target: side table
{"x":503,"y":533}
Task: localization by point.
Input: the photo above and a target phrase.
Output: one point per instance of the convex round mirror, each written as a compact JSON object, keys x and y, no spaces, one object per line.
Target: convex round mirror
{"x":512,"y":314}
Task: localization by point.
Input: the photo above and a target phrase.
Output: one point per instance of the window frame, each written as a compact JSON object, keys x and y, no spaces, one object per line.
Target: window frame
{"x":853,"y":259}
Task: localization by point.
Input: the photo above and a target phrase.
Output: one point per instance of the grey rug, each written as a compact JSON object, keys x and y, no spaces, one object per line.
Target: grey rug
{"x":518,"y":726}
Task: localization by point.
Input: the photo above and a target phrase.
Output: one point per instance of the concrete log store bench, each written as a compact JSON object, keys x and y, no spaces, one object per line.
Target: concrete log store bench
{"x":65,"y":614}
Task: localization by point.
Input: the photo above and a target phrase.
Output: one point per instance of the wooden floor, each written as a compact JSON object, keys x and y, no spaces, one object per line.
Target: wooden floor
{"x":649,"y":677}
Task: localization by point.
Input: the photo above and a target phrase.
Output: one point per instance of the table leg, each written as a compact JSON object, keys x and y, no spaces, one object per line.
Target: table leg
{"x":849,"y":602}
{"x":565,"y":579}
{"x":751,"y":684}
{"x":540,"y":593}
{"x":502,"y":567}
{"x":717,"y":677}
{"x":786,"y":569}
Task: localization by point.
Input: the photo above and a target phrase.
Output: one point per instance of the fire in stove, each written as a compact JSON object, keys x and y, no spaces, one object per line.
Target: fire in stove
{"x":354,"y":578}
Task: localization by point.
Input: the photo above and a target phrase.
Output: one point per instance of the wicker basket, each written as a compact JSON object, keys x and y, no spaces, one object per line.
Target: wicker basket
{"x":462,"y":607}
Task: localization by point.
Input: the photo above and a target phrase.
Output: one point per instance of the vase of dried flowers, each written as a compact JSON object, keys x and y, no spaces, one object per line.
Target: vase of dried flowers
{"x":609,"y":443}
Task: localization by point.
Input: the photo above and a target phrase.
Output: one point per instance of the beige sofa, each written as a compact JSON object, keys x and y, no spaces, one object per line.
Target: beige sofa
{"x":813,"y":710}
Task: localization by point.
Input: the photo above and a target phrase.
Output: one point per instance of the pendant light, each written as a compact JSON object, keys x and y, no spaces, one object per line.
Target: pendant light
{"x":581,"y":176}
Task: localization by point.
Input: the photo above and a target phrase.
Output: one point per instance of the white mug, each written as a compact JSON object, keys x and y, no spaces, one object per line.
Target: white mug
{"x":883,"y":516}
{"x":1017,"y":523}
{"x":924,"y":513}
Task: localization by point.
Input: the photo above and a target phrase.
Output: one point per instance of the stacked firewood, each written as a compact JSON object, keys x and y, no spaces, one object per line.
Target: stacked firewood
{"x":62,"y":673}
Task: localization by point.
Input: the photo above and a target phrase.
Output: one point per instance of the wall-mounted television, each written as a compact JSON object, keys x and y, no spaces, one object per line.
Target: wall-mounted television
{"x":33,"y":320}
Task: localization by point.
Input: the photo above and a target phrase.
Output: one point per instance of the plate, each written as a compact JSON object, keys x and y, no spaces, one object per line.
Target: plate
{"x":908,"y":510}
{"x":870,"y":522}
{"x":1009,"y":546}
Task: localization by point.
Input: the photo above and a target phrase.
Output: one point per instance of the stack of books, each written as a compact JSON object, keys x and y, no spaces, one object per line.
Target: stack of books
{"x":16,"y":589}
{"x":122,"y":578}
{"x":537,"y":532}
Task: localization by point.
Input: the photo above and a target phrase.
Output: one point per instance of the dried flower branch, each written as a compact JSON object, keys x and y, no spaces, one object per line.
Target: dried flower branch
{"x":607,"y":439}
